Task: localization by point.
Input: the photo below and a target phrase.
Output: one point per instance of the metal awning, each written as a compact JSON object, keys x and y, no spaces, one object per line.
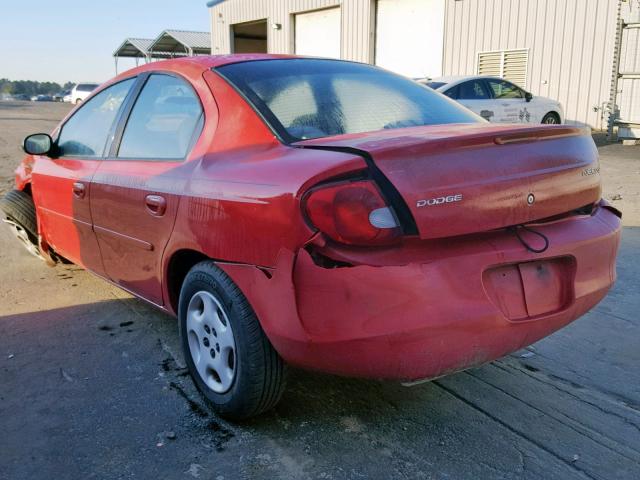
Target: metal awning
{"x":182,"y":43}
{"x":134,"y":48}
{"x":138,"y":48}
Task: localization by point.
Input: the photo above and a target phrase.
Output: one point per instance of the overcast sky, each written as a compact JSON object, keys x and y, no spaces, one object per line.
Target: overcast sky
{"x":71,"y":40}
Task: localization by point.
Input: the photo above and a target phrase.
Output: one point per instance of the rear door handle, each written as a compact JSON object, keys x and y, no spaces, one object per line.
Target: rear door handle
{"x":156,"y":205}
{"x":79,"y":189}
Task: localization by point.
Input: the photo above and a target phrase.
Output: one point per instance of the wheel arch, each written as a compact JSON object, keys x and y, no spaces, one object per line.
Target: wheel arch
{"x":553,"y":112}
{"x":23,"y":176}
{"x":176,"y":268}
{"x":26,"y":188}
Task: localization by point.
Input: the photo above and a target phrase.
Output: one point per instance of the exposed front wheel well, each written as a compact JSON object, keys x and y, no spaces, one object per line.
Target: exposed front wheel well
{"x":179,"y":265}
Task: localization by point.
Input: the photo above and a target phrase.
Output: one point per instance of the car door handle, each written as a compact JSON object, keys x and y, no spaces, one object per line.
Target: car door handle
{"x":156,"y":205}
{"x":79,"y":189}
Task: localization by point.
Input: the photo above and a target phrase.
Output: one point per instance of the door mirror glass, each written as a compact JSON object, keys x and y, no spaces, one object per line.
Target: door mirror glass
{"x":38,"y":144}
{"x":528,"y":96}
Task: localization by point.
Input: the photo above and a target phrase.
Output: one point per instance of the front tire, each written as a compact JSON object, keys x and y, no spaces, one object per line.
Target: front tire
{"x":19,"y":213}
{"x":228,"y":355}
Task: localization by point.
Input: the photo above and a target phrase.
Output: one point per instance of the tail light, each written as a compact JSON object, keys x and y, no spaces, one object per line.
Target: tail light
{"x":354,"y":213}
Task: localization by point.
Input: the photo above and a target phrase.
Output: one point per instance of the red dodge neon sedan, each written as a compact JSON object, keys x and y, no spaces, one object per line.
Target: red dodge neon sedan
{"x":319,"y":213}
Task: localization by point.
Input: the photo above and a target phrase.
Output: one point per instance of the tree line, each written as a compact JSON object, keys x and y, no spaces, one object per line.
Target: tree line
{"x":30,"y":87}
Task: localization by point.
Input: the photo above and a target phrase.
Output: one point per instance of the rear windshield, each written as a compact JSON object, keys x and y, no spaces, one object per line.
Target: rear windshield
{"x":435,"y":85}
{"x":86,"y":87}
{"x":314,"y":98}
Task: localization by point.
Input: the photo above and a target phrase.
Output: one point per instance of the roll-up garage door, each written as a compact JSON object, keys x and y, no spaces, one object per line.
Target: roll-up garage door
{"x":318,"y":33}
{"x":410,"y":36}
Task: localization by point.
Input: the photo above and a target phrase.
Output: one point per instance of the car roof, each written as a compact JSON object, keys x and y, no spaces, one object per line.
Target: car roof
{"x":208,"y":61}
{"x":449,"y":78}
{"x":199,"y":63}
{"x":453,"y":80}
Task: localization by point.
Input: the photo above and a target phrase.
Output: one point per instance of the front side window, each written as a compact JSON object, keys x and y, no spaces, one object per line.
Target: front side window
{"x":503,"y":89}
{"x":85,"y":133}
{"x":313,"y":98}
{"x":163,"y":122}
{"x":472,"y":90}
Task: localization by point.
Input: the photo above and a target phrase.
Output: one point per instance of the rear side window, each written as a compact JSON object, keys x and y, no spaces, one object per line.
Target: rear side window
{"x":472,"y":90}
{"x":453,"y":92}
{"x":85,"y":133}
{"x":164,"y":121}
{"x":313,"y":98}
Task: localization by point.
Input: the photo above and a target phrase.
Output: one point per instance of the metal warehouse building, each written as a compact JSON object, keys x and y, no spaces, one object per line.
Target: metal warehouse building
{"x":577,"y":51}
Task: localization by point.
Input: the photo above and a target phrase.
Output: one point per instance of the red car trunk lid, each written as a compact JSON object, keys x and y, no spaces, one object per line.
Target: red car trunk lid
{"x":460,"y":179}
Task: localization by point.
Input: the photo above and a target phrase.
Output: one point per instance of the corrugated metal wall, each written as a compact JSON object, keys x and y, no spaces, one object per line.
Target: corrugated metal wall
{"x":570,"y":46}
{"x":629,"y":88}
{"x":357,"y":24}
{"x":570,"y":42}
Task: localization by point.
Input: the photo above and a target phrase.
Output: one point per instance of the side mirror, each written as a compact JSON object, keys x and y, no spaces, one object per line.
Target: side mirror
{"x":38,"y":144}
{"x":527,"y":96}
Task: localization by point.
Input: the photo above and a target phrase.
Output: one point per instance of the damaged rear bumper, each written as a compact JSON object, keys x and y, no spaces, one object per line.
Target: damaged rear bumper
{"x":435,"y":308}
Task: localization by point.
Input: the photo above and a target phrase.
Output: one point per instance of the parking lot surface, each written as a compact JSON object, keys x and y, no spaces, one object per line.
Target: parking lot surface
{"x":93,"y":385}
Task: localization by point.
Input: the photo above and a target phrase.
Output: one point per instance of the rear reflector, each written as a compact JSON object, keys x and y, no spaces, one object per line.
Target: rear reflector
{"x":383,"y":218}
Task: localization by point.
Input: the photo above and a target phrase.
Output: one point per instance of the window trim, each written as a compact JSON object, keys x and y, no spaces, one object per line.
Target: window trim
{"x":116,"y":120}
{"x":114,"y":146}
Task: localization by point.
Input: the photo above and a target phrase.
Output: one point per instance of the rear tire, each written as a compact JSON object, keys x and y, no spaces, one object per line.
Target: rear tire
{"x":19,"y":213}
{"x":551,"y":118}
{"x":230,"y":359}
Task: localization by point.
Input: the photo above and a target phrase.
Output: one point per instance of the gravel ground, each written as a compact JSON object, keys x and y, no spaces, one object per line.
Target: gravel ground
{"x":92,"y":385}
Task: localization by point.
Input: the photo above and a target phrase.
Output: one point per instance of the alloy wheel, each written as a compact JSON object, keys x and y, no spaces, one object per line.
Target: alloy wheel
{"x":211,"y":342}
{"x":22,"y":235}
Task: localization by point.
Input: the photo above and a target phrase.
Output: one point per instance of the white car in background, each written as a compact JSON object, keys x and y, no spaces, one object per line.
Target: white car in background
{"x":81,"y":91}
{"x":498,"y":100}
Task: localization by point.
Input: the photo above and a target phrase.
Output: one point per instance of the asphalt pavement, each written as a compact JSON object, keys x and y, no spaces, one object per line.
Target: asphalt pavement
{"x":92,"y":385}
